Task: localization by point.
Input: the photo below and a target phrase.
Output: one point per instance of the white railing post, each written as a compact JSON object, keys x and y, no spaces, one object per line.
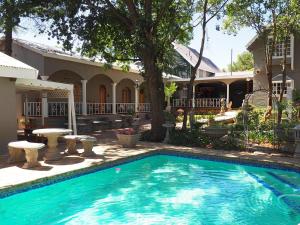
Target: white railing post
{"x":114,"y":98}
{"x":193,"y":100}
{"x":136,"y":107}
{"x":44,"y":107}
{"x":227,"y":92}
{"x":84,"y":110}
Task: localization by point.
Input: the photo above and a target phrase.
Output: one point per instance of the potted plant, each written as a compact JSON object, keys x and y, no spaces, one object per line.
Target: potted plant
{"x":127,"y":137}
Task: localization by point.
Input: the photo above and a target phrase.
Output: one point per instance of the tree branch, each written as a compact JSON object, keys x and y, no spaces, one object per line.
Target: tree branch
{"x":218,"y":10}
{"x":132,"y":10}
{"x":123,"y":19}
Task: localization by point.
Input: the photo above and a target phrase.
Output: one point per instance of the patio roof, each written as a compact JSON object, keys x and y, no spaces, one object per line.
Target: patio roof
{"x":13,"y":68}
{"x":34,"y":84}
{"x":222,"y":77}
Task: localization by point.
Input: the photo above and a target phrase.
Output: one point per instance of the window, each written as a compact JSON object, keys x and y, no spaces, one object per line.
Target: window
{"x":279,"y":48}
{"x":277,"y":87}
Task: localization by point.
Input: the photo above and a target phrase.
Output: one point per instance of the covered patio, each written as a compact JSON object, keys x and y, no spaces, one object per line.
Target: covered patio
{"x":209,"y":91}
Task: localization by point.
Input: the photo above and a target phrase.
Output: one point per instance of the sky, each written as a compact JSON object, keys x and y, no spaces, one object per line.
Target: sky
{"x":218,"y":43}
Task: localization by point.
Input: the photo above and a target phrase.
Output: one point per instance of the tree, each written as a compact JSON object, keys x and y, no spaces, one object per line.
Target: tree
{"x":170,"y":89}
{"x":244,"y":62}
{"x":126,"y":31}
{"x":260,"y":15}
{"x":288,"y":25}
{"x":11,"y":12}
{"x":207,"y":10}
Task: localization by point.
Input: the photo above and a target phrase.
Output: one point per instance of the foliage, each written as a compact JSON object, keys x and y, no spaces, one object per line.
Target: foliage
{"x":170,"y":89}
{"x":11,"y":12}
{"x":296,"y":95}
{"x":244,"y":62}
{"x":169,"y":117}
{"x":196,"y":138}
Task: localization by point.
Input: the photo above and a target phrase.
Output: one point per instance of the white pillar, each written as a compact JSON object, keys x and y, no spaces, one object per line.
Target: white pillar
{"x":84,"y":107}
{"x":44,"y":107}
{"x":114,"y":98}
{"x":26,"y":108}
{"x":227,"y":95}
{"x":69,"y":111}
{"x":136,"y":98}
{"x":193,"y":101}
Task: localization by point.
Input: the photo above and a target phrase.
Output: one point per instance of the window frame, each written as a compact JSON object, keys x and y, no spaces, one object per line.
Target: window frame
{"x":291,"y":82}
{"x":291,"y":55}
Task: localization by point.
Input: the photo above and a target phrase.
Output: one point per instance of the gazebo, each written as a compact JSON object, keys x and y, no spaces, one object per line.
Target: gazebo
{"x":18,"y":76}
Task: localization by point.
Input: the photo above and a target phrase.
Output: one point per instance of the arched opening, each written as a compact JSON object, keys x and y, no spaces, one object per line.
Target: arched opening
{"x":99,"y":89}
{"x":125,"y":91}
{"x":126,"y":95}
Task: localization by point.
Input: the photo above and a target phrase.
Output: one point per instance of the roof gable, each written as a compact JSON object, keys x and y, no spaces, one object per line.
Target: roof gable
{"x":191,"y":55}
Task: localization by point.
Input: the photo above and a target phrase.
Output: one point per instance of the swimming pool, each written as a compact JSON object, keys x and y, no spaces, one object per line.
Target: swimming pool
{"x":163,"y":190}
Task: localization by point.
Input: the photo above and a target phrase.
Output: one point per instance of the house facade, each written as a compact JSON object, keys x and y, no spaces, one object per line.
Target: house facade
{"x":256,"y":47}
{"x":97,"y":90}
{"x":210,"y":86}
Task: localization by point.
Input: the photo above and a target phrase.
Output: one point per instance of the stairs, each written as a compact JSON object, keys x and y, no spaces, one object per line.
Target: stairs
{"x":285,"y":186}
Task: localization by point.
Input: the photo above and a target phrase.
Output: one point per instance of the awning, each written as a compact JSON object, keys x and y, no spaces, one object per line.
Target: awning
{"x":31,"y":84}
{"x":13,"y":68}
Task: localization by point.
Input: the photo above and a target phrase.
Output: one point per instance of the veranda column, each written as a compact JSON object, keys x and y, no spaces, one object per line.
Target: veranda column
{"x":136,"y":98}
{"x":227,"y":95}
{"x":84,"y":106}
{"x":44,"y":107}
{"x":69,"y":111}
{"x":114,"y":98}
{"x":193,"y":101}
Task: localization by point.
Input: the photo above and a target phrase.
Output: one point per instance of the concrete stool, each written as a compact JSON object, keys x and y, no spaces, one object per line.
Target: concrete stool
{"x":88,"y":144}
{"x":31,"y":152}
{"x":71,"y":143}
{"x":16,"y":154}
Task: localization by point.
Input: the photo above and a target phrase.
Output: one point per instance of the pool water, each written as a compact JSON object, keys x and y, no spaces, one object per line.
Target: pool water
{"x":163,"y":190}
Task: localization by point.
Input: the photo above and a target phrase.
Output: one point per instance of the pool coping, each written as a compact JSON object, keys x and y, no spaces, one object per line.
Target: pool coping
{"x":52,"y":179}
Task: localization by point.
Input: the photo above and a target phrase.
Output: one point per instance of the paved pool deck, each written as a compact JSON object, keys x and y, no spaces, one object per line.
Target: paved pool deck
{"x":109,"y":153}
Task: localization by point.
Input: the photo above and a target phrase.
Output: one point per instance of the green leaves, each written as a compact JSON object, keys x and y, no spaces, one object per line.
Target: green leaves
{"x":170,"y":89}
{"x":244,"y":62}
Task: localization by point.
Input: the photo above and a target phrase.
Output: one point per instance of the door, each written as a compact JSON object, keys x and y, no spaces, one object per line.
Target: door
{"x":126,"y":95}
{"x":102,"y":98}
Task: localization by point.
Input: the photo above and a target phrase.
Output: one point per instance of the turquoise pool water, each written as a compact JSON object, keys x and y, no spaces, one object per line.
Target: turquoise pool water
{"x":163,"y":190}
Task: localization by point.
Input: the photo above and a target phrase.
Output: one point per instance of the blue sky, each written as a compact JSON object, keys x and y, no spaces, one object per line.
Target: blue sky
{"x":217,"y":47}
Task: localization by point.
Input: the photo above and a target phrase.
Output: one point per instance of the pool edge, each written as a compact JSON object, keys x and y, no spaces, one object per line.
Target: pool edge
{"x":45,"y":181}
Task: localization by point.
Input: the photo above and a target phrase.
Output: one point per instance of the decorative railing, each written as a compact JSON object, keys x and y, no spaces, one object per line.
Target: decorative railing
{"x":144,"y":107}
{"x":99,"y":108}
{"x":61,"y":108}
{"x":33,"y":108}
{"x":125,"y":107}
{"x":199,"y":103}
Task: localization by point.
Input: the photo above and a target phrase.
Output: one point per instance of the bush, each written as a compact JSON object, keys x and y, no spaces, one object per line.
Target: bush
{"x":196,"y":138}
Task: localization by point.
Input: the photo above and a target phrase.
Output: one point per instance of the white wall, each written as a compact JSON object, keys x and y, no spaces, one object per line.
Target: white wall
{"x":8,"y":115}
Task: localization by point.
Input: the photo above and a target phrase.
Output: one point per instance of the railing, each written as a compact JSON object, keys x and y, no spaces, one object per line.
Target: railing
{"x":57,"y":108}
{"x":125,"y":107}
{"x":144,"y":107}
{"x":199,"y":103}
{"x":61,"y":108}
{"x":33,"y":108}
{"x":99,"y":108}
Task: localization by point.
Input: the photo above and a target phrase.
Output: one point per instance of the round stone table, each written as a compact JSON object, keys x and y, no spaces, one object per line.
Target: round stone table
{"x":52,"y":134}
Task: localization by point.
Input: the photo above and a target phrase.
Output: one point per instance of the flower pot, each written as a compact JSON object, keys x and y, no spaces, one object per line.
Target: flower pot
{"x":216,"y":132}
{"x":128,"y":141}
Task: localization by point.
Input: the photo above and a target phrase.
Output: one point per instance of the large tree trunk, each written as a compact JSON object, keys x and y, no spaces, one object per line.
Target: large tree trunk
{"x":8,"y":41}
{"x":8,"y":27}
{"x":155,"y":88}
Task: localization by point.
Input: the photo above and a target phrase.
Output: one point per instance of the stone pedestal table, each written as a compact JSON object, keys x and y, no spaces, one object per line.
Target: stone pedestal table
{"x":52,"y":134}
